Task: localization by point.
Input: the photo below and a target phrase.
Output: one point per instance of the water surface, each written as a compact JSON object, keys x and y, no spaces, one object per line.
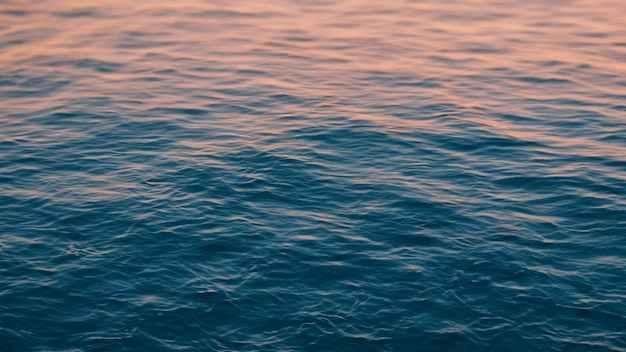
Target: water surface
{"x":312,"y":175}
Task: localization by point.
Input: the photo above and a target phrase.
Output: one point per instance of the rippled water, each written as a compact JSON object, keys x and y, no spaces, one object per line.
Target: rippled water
{"x":313,"y":175}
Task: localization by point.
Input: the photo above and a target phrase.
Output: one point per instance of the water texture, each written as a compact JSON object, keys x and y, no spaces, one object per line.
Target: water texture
{"x":312,"y":175}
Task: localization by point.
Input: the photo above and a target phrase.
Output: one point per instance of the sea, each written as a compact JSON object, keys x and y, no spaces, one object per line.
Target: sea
{"x":312,"y":175}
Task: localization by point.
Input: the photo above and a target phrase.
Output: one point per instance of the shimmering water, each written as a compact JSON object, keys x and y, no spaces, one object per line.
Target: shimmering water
{"x":312,"y":175}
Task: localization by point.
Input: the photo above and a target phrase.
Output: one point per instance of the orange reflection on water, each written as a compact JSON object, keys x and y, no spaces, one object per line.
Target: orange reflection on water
{"x":351,"y":57}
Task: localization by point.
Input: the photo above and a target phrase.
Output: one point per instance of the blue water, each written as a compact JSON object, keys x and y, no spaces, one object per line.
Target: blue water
{"x":312,"y":175}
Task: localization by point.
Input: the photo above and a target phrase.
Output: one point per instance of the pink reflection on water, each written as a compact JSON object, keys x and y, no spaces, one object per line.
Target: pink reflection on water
{"x":478,"y":54}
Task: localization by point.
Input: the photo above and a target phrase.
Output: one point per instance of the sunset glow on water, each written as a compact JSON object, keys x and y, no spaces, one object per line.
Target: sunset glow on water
{"x":313,"y":175}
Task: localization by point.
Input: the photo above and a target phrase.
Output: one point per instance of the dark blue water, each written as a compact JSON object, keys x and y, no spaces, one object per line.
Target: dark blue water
{"x":312,"y":176}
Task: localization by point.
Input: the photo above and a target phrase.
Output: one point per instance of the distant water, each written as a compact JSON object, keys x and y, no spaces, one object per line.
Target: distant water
{"x":312,"y":175}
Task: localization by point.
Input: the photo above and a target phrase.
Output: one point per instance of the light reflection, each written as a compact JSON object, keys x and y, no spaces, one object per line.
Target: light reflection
{"x":478,"y":53}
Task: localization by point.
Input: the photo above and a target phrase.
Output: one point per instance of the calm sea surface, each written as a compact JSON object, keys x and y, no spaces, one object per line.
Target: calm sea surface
{"x":313,"y":175}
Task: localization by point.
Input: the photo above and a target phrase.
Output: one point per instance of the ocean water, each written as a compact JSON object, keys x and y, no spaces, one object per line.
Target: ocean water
{"x":312,"y":175}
